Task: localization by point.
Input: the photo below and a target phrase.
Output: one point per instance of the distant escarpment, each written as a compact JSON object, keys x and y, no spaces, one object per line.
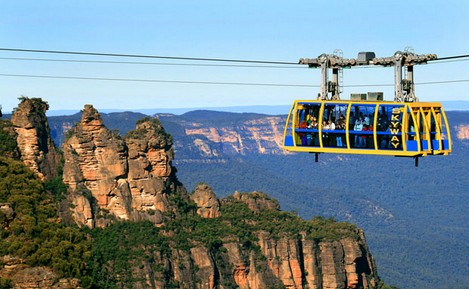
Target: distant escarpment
{"x":463,"y":131}
{"x":141,"y":229}
{"x":215,"y":135}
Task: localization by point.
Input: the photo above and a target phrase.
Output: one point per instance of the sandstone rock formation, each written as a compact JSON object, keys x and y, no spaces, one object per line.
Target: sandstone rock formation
{"x":126,"y":178}
{"x":38,"y":151}
{"x":131,"y":178}
{"x":208,"y":205}
{"x":26,"y":277}
{"x":257,"y":201}
{"x":303,"y":262}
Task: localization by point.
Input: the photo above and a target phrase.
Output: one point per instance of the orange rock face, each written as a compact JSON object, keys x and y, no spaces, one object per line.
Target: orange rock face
{"x":26,"y":277}
{"x":37,"y":149}
{"x":202,"y":260}
{"x":307,"y":264}
{"x":262,"y":135}
{"x":208,"y":205}
{"x":127,"y":178}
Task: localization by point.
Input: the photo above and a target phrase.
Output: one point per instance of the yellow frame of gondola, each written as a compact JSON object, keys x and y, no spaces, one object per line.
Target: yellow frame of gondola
{"x":421,"y":113}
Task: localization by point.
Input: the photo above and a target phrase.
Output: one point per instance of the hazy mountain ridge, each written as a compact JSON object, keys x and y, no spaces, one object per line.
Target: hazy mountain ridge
{"x":450,"y":105}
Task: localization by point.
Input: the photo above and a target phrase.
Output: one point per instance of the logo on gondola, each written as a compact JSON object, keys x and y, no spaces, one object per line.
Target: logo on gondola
{"x":395,"y":126}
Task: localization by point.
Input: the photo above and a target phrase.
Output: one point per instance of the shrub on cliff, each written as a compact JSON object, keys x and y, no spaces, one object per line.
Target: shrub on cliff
{"x":240,"y":222}
{"x":8,"y":146}
{"x":154,"y":125}
{"x":35,"y":234}
{"x":120,"y":248}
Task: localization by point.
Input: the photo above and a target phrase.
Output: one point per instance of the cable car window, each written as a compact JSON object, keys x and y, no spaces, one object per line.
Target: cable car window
{"x":360,"y":124}
{"x":307,"y":124}
{"x":423,"y":127}
{"x":438,"y":133}
{"x":334,"y":125}
{"x":444,"y":131}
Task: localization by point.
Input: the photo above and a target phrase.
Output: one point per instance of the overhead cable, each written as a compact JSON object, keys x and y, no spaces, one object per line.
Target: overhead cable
{"x":145,"y":56}
{"x":177,"y":57}
{"x":149,"y":63}
{"x":210,"y":82}
{"x":451,"y":57}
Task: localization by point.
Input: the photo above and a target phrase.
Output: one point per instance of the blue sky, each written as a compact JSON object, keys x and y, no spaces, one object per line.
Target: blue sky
{"x":257,"y":30}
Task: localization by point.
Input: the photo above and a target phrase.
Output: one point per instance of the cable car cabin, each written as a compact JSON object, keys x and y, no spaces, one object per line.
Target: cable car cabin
{"x":410,"y":129}
{"x":366,"y":124}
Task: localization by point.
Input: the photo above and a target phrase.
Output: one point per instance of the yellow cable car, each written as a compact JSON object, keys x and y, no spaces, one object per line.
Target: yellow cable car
{"x":403,"y":127}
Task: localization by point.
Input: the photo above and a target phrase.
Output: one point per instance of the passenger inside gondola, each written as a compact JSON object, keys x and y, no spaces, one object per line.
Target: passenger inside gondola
{"x":363,"y":137}
{"x":340,"y":126}
{"x":386,"y":138}
{"x":325,"y":135}
{"x":313,"y":123}
{"x":411,"y":132}
{"x":358,"y":127}
{"x":313,"y":136}
{"x":367,"y":120}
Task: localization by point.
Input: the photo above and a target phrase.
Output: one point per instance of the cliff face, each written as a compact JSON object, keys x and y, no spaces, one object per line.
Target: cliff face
{"x":127,"y":178}
{"x":283,"y":261}
{"x":263,"y":135}
{"x":27,"y":277}
{"x":261,"y":260}
{"x":308,"y":264}
{"x":37,"y":149}
{"x":208,"y":138}
{"x":203,"y":134}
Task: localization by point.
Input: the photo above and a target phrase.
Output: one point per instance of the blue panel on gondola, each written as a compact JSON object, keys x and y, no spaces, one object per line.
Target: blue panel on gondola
{"x":435,"y":144}
{"x":445,"y":144}
{"x":425,"y":145}
{"x":288,"y":141}
{"x":412,"y":145}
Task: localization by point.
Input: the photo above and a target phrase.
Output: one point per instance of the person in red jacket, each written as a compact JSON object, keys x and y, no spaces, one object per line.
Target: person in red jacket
{"x":363,"y":137}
